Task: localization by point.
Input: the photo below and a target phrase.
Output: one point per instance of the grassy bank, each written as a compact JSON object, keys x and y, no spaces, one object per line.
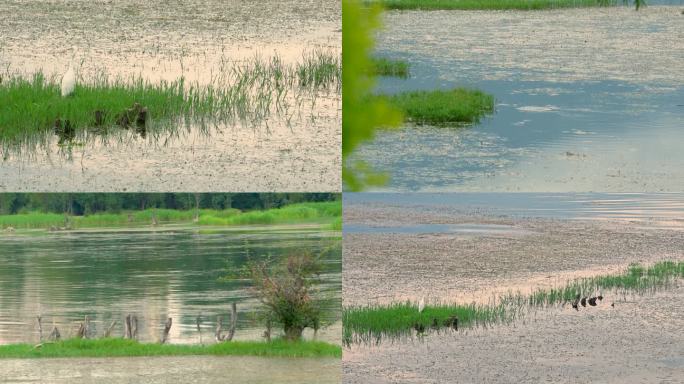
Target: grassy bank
{"x":328,"y":212}
{"x":390,"y":67}
{"x":373,"y":323}
{"x":491,"y":4}
{"x":129,"y":348}
{"x":459,"y":105}
{"x":252,"y":90}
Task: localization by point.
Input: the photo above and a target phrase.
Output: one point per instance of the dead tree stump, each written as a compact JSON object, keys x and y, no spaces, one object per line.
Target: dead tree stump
{"x":54,"y":335}
{"x":40,"y":328}
{"x":167,"y":328}
{"x":108,"y":332}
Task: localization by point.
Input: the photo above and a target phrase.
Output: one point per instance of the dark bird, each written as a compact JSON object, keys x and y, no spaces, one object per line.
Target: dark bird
{"x":452,"y":322}
{"x":592,"y":301}
{"x":584,"y":302}
{"x":99,"y":117}
{"x":600,"y":297}
{"x":574,"y":302}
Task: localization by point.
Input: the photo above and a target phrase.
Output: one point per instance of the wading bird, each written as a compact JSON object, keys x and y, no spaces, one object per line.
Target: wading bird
{"x":421,"y":304}
{"x":69,"y":78}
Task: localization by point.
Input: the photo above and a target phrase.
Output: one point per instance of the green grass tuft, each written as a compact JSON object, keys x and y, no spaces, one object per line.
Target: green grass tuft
{"x":122,"y":348}
{"x":389,"y":67}
{"x":491,"y":4}
{"x":458,"y":105}
{"x":373,"y":323}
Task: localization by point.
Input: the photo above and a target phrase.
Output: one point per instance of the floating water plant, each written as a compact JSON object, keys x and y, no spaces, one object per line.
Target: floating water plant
{"x":390,"y":67}
{"x":373,"y":323}
{"x":458,"y":105}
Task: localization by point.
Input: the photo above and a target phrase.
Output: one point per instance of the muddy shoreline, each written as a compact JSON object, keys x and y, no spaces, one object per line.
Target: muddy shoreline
{"x":637,"y":340}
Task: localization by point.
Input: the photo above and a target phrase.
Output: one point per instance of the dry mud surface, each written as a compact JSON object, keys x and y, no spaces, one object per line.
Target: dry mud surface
{"x":638,"y":340}
{"x":152,"y":370}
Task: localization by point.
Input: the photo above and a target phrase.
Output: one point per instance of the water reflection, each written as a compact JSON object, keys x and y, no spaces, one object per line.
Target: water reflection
{"x":661,"y":210}
{"x":154,"y":274}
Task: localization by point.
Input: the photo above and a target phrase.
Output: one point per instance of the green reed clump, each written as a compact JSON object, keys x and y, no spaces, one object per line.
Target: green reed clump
{"x":31,"y":106}
{"x":636,"y":278}
{"x":319,"y":70}
{"x":390,"y":67}
{"x":250,"y":90}
{"x":113,"y":347}
{"x":373,"y":323}
{"x":459,"y":105}
{"x":491,"y":4}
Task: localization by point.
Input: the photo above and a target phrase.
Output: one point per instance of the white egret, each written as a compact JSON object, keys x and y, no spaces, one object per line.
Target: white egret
{"x":69,"y":78}
{"x":421,"y":304}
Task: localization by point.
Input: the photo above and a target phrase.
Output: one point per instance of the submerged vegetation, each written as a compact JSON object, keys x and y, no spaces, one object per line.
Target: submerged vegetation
{"x":391,"y":67}
{"x":242,"y":91}
{"x":458,"y":105}
{"x":373,"y":323}
{"x":113,"y":347}
{"x":327,"y":212}
{"x":497,"y":4}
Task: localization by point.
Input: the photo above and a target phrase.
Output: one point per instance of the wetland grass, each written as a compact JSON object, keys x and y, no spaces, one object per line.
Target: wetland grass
{"x":390,"y":67}
{"x":31,"y":107}
{"x":459,"y":105}
{"x":491,"y":4}
{"x":373,"y":323}
{"x":113,"y":347}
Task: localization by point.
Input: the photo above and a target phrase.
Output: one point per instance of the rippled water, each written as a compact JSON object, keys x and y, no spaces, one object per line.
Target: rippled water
{"x":173,"y":272}
{"x":296,"y":151}
{"x":586,"y":100}
{"x":661,"y":209}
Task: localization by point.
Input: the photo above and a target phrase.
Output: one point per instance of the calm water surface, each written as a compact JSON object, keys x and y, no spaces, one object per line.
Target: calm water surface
{"x":153,"y":274}
{"x":581,"y":105}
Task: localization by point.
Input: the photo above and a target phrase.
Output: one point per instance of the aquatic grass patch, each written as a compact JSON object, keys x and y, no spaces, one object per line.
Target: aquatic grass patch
{"x":390,"y":67}
{"x":114,"y":347}
{"x":373,"y":323}
{"x":459,"y":105}
{"x":31,"y":107}
{"x":636,"y":279}
{"x":491,"y":4}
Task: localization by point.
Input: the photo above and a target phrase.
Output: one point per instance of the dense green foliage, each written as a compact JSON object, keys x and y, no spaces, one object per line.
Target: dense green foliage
{"x":389,"y":67}
{"x":122,"y":347}
{"x":91,"y":203}
{"x":495,"y":4}
{"x":361,"y":116}
{"x":327,"y":212}
{"x":458,"y":105}
{"x":372,"y":323}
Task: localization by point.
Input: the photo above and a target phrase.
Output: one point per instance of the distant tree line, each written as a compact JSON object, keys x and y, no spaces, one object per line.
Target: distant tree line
{"x":89,"y":203}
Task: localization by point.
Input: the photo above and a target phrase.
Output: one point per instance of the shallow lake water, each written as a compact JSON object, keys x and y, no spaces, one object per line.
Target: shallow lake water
{"x":586,"y":100}
{"x":154,"y":274}
{"x":297,"y":150}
